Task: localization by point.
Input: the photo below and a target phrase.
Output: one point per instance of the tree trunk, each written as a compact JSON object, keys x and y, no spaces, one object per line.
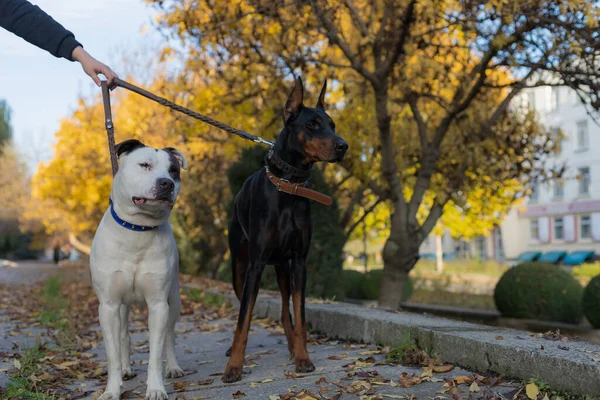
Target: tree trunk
{"x":400,"y":254}
{"x":439,"y":254}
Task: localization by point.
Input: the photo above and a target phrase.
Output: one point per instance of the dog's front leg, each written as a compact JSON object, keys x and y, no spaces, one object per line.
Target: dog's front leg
{"x":110,"y":323}
{"x":158,"y":316}
{"x":301,"y":358}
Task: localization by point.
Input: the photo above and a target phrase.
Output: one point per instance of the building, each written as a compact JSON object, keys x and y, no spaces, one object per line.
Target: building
{"x":561,"y":215}
{"x":564,"y":214}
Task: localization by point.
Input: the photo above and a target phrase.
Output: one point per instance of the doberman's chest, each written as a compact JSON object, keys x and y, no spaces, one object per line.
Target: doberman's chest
{"x":287,"y":232}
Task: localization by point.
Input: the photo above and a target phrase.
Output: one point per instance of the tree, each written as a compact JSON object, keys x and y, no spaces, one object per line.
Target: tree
{"x":5,"y":127}
{"x":427,"y":85}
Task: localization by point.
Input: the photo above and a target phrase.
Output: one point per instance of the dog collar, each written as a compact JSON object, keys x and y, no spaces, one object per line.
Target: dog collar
{"x":287,"y":168}
{"x":297,"y":189}
{"x":128,"y":225}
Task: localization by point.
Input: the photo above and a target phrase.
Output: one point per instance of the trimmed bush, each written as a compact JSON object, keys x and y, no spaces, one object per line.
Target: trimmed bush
{"x":324,"y":260}
{"x":361,"y":286}
{"x":352,"y":281}
{"x":539,"y":291}
{"x":591,"y":302}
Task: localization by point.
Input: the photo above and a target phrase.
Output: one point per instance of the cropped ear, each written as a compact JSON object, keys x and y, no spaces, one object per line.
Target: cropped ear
{"x":294,"y":101}
{"x":178,"y":155}
{"x":321,"y":101}
{"x":128,"y":146}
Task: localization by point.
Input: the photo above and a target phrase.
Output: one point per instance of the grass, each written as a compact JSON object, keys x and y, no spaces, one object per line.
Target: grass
{"x":451,"y":267}
{"x":444,"y":298}
{"x":54,"y":304}
{"x":396,"y":354}
{"x":546,"y":389}
{"x":20,"y":384}
{"x":587,"y":271}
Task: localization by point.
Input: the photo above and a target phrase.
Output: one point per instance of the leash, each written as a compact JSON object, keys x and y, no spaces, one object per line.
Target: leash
{"x":110,"y":129}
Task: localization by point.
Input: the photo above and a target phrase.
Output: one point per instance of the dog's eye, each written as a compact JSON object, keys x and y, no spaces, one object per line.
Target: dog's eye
{"x":312,"y":125}
{"x":145,"y":165}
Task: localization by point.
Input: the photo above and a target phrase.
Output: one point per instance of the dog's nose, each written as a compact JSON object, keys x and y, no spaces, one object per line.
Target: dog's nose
{"x":341,"y":146}
{"x":165,"y":184}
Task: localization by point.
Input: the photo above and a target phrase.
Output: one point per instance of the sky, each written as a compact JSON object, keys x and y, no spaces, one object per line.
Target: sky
{"x":42,"y":89}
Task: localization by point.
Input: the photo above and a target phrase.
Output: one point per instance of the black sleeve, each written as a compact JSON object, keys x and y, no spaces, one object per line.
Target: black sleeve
{"x":32,"y":24}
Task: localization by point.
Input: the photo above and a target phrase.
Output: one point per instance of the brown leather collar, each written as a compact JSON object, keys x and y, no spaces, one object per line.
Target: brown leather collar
{"x":298,"y":189}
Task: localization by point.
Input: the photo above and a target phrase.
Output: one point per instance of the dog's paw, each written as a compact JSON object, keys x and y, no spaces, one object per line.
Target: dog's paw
{"x":127,"y":374}
{"x":231,"y":375}
{"x":304,"y":366}
{"x":156,"y":394}
{"x":108,"y":395}
{"x":174,"y":372}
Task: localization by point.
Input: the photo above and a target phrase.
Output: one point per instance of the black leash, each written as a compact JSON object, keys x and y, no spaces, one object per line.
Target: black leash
{"x":110,"y":129}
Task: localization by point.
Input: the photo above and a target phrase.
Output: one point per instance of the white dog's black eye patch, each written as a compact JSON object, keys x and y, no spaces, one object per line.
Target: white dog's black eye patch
{"x":128,"y":146}
{"x":174,"y":168}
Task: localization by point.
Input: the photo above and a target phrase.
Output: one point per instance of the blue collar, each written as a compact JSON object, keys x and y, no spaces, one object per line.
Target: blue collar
{"x":127,"y":225}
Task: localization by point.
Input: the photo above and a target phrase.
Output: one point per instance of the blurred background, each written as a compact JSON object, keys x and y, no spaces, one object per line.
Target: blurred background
{"x":473,"y":132}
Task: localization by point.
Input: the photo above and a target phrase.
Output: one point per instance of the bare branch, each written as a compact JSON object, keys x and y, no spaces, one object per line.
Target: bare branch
{"x":368,"y":211}
{"x":434,"y":214}
{"x":334,"y":37}
{"x":364,"y":31}
{"x":421,"y":124}
{"x":399,"y":47}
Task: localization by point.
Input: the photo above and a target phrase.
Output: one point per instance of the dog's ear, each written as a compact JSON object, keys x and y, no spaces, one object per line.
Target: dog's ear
{"x":178,"y":155}
{"x":294,"y":101}
{"x":321,"y":101}
{"x":128,"y":146}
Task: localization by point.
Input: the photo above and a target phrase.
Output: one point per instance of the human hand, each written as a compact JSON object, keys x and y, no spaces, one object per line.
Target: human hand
{"x":93,"y":67}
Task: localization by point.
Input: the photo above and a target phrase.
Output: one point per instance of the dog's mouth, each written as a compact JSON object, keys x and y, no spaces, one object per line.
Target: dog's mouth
{"x":138,"y":201}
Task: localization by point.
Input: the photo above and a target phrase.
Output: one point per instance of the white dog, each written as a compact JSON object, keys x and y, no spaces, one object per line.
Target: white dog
{"x":134,"y":260}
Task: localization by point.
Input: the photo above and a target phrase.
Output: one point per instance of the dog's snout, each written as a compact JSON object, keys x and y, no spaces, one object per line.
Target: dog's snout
{"x":341,"y":146}
{"x":165,"y":184}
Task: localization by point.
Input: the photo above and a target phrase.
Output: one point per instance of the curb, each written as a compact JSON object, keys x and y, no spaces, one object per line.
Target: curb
{"x":565,"y":365}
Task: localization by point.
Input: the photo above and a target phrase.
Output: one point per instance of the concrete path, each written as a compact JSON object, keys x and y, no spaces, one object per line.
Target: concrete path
{"x":344,"y":370}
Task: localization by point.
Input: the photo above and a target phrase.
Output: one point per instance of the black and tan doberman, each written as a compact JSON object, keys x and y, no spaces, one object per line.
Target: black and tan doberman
{"x":271,"y":224}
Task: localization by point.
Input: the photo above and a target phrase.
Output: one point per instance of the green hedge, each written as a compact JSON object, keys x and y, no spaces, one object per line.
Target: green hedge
{"x":361,"y":286}
{"x":591,"y":302}
{"x":539,"y":291}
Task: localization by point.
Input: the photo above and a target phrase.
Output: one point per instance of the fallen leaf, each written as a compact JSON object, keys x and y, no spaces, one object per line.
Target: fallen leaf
{"x":17,"y":364}
{"x":440,"y":369}
{"x":393,"y":396}
{"x":238,"y":394}
{"x":474,"y":388}
{"x":499,"y":338}
{"x":203,"y":382}
{"x":532,"y":391}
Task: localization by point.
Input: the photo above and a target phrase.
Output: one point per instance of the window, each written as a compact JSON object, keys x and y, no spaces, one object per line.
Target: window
{"x":584,"y":181}
{"x":585,"y":226}
{"x":555,"y":98}
{"x":534,"y":229}
{"x":559,"y":190}
{"x":535,"y":195}
{"x":559,"y":228}
{"x":582,"y":135}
